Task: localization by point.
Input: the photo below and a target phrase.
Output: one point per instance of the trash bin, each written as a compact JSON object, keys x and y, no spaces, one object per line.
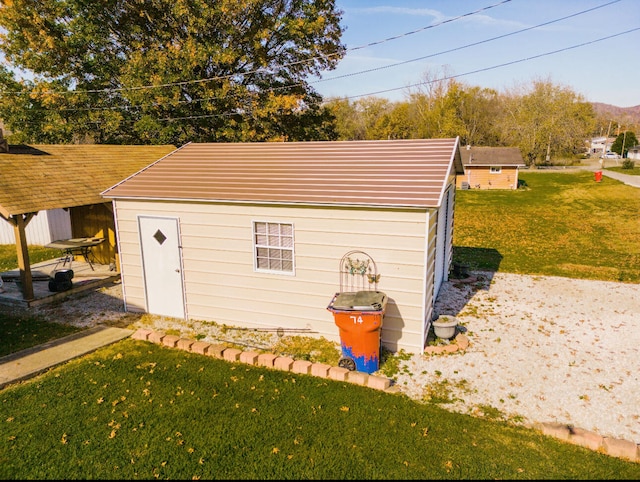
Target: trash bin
{"x":359,"y":317}
{"x":598,"y":176}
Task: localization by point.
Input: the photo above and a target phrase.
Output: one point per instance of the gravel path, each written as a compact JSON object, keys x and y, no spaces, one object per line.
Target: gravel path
{"x":542,"y":349}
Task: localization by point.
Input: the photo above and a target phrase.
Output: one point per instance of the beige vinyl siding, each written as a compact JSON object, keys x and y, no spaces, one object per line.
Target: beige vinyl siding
{"x":452,"y":218}
{"x":222,"y":286}
{"x":480,"y":177}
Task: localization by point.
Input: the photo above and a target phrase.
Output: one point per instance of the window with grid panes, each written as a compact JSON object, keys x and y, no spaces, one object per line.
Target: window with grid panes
{"x":273,"y":246}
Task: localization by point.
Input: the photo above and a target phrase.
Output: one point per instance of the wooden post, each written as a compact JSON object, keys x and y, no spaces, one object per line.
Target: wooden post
{"x":19,"y":223}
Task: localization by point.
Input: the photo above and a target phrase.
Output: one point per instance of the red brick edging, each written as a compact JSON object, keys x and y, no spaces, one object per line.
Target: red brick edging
{"x":267,"y":360}
{"x":623,"y":449}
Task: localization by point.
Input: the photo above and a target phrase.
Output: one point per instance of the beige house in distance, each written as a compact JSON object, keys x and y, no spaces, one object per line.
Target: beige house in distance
{"x":255,"y":235}
{"x":490,"y":167}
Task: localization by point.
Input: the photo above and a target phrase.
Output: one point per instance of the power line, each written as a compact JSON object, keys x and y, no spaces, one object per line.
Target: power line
{"x":289,"y":86}
{"x":462,"y":47}
{"x":422,"y":29}
{"x":496,"y":66}
{"x":505,"y":64}
{"x":255,"y":71}
{"x":170,"y":119}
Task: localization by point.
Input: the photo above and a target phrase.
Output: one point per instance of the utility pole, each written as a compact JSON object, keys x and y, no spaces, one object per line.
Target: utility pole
{"x":606,"y":139}
{"x":549,"y":148}
{"x":604,"y":149}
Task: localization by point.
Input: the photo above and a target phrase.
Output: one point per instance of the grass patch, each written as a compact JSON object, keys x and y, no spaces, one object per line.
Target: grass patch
{"x":135,"y":410}
{"x":562,"y":224}
{"x":20,"y":331}
{"x":635,"y":171}
{"x":37,"y":254}
{"x":317,"y":350}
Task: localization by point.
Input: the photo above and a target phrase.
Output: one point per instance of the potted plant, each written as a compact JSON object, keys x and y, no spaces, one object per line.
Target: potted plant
{"x":445,"y":326}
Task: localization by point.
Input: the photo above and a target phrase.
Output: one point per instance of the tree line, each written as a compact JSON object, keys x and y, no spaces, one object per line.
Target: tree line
{"x":546,"y":121}
{"x":178,"y":71}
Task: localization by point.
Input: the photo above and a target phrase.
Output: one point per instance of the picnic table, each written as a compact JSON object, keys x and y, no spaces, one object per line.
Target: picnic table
{"x":75,"y":246}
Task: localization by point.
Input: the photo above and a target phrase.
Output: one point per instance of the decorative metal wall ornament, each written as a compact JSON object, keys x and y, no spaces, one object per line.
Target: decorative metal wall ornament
{"x":358,"y":272}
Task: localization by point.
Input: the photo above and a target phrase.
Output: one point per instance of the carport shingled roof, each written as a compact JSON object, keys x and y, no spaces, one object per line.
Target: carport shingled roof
{"x":40,"y":177}
{"x":390,"y":173}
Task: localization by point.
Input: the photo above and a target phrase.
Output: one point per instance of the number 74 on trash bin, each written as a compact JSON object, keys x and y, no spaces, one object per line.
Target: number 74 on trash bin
{"x":356,"y":319}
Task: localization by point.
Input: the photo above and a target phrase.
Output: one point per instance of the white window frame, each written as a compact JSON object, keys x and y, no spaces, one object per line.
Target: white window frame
{"x":495,"y":169}
{"x":273,"y":244}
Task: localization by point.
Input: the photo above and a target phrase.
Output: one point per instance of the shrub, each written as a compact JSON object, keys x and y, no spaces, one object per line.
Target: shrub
{"x":628,"y":164}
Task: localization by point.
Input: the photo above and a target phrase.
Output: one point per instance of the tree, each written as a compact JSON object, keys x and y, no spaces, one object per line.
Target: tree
{"x":444,"y":107}
{"x":628,"y":139}
{"x":365,"y":118}
{"x":546,"y":122}
{"x":396,"y":123}
{"x":477,"y":109}
{"x":349,"y":125}
{"x":432,"y":110}
{"x":167,"y":71}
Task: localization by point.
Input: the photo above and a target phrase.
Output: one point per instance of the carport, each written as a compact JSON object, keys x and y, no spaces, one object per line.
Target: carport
{"x":42,"y":177}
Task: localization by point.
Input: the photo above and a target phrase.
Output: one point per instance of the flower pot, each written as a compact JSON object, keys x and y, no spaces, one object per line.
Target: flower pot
{"x":445,"y":327}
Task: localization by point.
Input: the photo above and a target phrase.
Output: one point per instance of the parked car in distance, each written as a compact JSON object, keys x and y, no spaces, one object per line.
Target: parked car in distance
{"x":611,"y":155}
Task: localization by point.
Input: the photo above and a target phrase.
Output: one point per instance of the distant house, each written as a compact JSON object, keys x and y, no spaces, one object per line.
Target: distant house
{"x":256,"y":235}
{"x":634,"y":152}
{"x":599,"y":145}
{"x":490,"y":167}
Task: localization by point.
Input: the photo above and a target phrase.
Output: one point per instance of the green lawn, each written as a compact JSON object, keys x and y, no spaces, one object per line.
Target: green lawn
{"x":22,"y":330}
{"x":9,"y":255}
{"x":136,"y":410}
{"x":561,"y":224}
{"x":632,"y":172}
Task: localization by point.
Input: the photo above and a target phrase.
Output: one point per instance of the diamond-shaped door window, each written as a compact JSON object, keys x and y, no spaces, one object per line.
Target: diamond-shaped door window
{"x":160,"y":237}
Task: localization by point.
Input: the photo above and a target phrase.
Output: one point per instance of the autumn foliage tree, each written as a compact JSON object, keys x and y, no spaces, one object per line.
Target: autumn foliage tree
{"x":546,"y":121}
{"x":167,"y":71}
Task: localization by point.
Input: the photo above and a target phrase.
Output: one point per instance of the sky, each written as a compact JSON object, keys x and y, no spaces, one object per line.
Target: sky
{"x":396,"y":46}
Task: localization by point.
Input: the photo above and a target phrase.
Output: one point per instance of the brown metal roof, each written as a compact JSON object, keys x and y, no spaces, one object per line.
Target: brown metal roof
{"x":411,"y":173}
{"x":491,"y":156}
{"x":40,"y":177}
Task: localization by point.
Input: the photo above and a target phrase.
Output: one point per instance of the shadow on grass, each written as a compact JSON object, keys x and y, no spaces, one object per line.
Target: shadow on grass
{"x":472,"y":271}
{"x":477,"y":259}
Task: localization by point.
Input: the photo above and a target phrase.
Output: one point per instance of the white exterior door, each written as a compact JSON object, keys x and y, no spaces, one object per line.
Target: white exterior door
{"x":162,"y":266}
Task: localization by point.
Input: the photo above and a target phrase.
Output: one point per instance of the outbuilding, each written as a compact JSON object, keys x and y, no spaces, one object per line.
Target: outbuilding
{"x":256,"y":235}
{"x":490,"y":167}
